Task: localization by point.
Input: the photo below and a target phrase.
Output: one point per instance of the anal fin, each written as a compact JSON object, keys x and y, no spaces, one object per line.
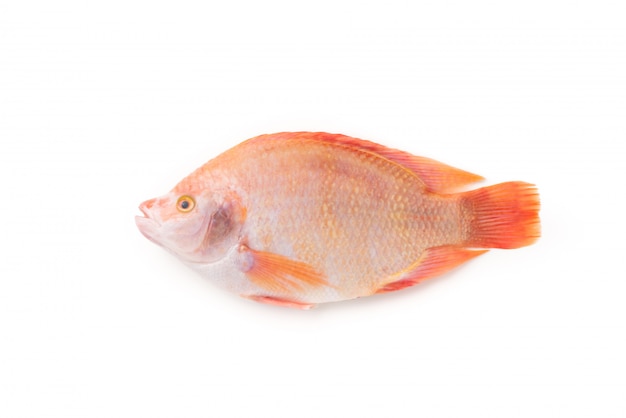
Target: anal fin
{"x":434,"y":262}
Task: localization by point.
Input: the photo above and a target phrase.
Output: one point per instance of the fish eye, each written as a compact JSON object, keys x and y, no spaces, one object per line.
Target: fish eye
{"x":185,"y":204}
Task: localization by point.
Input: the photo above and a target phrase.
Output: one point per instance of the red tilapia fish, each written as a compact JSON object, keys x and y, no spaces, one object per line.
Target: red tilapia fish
{"x":301,"y":218}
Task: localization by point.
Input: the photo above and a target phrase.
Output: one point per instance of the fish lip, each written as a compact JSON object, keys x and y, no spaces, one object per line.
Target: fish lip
{"x":144,"y":208}
{"x":146,"y":224}
{"x":144,"y":220}
{"x":145,"y":213}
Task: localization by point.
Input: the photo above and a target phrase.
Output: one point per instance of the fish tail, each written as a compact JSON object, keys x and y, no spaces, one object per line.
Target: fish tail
{"x":505,"y":215}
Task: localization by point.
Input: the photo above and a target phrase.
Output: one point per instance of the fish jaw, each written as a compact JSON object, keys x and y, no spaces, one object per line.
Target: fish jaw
{"x":148,"y":228}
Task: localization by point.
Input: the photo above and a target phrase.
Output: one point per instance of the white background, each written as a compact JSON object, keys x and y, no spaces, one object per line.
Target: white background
{"x":106,"y":104}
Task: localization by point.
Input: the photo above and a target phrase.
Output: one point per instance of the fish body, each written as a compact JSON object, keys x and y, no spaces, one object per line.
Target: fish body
{"x":302,"y":218}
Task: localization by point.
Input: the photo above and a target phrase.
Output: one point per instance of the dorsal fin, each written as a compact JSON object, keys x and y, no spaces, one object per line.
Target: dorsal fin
{"x":438,"y":177}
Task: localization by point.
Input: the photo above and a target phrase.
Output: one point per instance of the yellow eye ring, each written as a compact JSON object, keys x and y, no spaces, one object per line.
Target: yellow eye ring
{"x":185,"y":204}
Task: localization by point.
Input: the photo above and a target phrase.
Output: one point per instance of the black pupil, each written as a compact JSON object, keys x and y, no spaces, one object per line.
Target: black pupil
{"x":184,"y":204}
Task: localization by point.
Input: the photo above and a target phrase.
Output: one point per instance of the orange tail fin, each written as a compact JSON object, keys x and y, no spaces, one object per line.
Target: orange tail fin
{"x":503,"y":216}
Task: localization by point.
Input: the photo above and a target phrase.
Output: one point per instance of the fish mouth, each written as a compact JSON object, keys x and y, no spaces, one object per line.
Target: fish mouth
{"x":143,"y":210}
{"x":147,"y":225}
{"x":146,"y":206}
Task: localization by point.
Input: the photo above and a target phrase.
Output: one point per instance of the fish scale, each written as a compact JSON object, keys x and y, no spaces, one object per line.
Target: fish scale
{"x":360,"y":214}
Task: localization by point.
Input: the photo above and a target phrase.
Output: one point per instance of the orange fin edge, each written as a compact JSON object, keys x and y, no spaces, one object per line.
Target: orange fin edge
{"x":504,"y":215}
{"x":270,"y":300}
{"x":278,"y":273}
{"x":438,"y":177}
{"x":434,"y":262}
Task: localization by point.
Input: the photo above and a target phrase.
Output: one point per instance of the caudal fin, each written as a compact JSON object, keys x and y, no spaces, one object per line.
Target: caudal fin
{"x":505,"y":215}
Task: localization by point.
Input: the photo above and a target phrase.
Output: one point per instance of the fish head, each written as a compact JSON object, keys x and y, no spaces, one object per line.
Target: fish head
{"x":197,"y":226}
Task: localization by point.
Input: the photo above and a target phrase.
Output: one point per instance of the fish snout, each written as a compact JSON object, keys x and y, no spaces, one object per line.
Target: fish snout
{"x":146,"y":206}
{"x":147,"y":223}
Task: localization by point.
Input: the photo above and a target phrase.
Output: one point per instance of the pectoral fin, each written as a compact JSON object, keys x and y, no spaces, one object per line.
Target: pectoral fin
{"x":278,"y":273}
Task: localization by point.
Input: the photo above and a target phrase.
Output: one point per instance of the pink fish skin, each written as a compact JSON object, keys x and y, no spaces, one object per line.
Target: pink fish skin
{"x":301,"y":218}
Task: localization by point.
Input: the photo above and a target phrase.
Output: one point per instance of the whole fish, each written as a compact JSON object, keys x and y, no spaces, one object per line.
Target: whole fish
{"x":301,"y":218}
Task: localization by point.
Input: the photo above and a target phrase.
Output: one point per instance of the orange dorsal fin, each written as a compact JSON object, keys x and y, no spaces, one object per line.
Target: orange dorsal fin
{"x":434,"y":262}
{"x":437,"y":177}
{"x":278,"y":273}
